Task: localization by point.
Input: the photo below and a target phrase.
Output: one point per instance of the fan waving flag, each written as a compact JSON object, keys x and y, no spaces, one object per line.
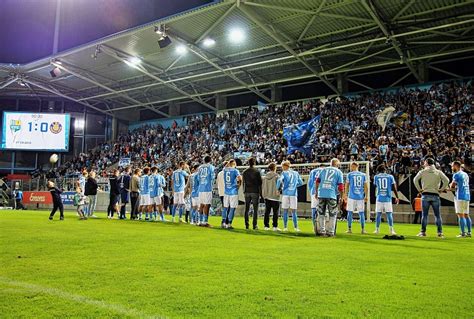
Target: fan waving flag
{"x":302,"y":136}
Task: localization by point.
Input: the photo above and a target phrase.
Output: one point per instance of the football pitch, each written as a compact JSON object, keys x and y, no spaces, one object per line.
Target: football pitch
{"x":128,"y":269}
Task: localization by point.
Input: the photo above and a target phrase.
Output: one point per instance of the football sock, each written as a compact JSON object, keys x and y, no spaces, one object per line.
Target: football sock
{"x":462,"y":224}
{"x":231,"y":215}
{"x":181,"y":208}
{"x":362,"y":219}
{"x":295,"y":219}
{"x":224,"y":214}
{"x":378,"y":219}
{"x":349,"y":220}
{"x":390,"y":219}
{"x":314,"y":215}
{"x":173,"y":210}
{"x":468,"y":222}
{"x":285,"y":218}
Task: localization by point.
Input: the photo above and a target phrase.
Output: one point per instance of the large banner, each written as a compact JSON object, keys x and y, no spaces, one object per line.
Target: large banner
{"x":35,"y":131}
{"x":302,"y":136}
{"x":37,"y":198}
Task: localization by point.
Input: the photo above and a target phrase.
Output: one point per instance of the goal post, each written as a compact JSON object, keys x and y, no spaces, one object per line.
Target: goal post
{"x":305,"y":169}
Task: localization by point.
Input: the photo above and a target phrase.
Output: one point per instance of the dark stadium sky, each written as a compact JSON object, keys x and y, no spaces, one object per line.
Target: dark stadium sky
{"x":27,"y":26}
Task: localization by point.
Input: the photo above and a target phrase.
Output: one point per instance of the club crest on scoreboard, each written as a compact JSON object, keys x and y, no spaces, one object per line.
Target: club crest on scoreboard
{"x":55,"y":127}
{"x":15,"y":125}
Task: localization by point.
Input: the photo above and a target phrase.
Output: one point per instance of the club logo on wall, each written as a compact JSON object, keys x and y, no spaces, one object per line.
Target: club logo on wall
{"x":55,"y":127}
{"x":15,"y":125}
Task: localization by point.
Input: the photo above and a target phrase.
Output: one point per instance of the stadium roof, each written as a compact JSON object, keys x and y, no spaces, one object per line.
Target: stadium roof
{"x":280,"y":42}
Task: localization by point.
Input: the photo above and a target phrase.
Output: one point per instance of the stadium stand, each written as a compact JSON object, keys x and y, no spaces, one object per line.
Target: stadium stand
{"x":432,"y":121}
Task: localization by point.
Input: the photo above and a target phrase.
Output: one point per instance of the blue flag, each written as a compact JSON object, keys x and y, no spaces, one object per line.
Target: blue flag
{"x":302,"y":136}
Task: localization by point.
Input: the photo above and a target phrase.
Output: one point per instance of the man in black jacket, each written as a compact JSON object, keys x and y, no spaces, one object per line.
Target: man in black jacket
{"x":90,"y":190}
{"x":124,"y":184}
{"x":114,"y":194}
{"x":57,"y":202}
{"x":252,"y":191}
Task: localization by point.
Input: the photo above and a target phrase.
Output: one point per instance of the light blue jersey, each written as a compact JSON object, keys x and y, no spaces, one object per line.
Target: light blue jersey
{"x":462,"y":186}
{"x":329,"y":180}
{"x":195,"y":185}
{"x":179,"y":180}
{"x":206,"y":178}
{"x":230,"y":181}
{"x":144,"y":185}
{"x":152,"y":187}
{"x":313,"y":175}
{"x":383,"y":185}
{"x":289,"y":180}
{"x":356,"y":182}
{"x":160,"y":183}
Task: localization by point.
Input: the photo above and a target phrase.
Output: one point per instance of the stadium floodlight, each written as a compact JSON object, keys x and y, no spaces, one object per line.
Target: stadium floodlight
{"x":133,"y":61}
{"x":181,"y":49}
{"x":79,"y":124}
{"x":55,"y":72}
{"x":163,"y":38}
{"x":236,"y":35}
{"x":208,"y":42}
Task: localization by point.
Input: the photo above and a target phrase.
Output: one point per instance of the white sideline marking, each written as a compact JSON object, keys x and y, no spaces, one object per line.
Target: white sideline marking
{"x":77,"y":298}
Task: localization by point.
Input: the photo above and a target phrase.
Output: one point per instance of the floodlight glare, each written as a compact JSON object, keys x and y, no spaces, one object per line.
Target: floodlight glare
{"x":181,"y":49}
{"x":134,"y":61}
{"x":208,"y":42}
{"x":236,"y":35}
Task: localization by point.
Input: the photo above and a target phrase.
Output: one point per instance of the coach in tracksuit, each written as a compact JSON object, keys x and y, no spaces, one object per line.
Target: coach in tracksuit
{"x":57,"y":201}
{"x":124,"y":184}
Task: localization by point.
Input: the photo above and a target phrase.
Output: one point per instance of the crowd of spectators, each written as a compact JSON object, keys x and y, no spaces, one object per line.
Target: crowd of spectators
{"x":428,"y":122}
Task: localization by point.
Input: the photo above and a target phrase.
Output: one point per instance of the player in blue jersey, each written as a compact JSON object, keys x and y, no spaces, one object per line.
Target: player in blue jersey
{"x":160,"y":184}
{"x":145,"y":201}
{"x":313,"y":175}
{"x":329,"y":184}
{"x":356,"y":194}
{"x":232,"y":181}
{"x":288,"y":182}
{"x":384,"y":184}
{"x":178,"y":183}
{"x":462,"y":198}
{"x":206,"y":174}
{"x":192,"y":189}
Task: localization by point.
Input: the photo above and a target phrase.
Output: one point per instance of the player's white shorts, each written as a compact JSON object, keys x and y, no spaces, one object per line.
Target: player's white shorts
{"x":158,"y":200}
{"x":178,"y":198}
{"x":290,"y":202}
{"x":461,"y":206}
{"x":195,"y":201}
{"x":314,"y":202}
{"x":205,"y":198}
{"x":355,"y":205}
{"x":383,"y":207}
{"x":145,"y":200}
{"x":231,"y":201}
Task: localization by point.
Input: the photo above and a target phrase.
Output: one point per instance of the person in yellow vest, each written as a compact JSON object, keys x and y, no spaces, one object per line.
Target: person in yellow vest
{"x":418,"y":208}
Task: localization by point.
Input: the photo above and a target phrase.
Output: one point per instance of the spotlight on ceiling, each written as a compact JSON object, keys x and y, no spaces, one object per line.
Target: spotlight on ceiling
{"x":164,"y":43}
{"x":163,"y":38}
{"x":208,"y":42}
{"x":55,"y":72}
{"x":21,"y":83}
{"x":181,"y":49}
{"x":236,"y":35}
{"x":133,"y":61}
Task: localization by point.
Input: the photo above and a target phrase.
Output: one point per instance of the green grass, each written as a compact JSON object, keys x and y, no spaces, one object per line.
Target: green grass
{"x":111,"y":268}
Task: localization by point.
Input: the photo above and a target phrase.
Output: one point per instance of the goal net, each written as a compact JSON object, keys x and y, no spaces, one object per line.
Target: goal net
{"x":305,"y":169}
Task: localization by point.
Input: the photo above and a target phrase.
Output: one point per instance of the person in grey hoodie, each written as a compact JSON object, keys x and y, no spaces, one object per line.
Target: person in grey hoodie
{"x":430,"y":182}
{"x":272,"y":197}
